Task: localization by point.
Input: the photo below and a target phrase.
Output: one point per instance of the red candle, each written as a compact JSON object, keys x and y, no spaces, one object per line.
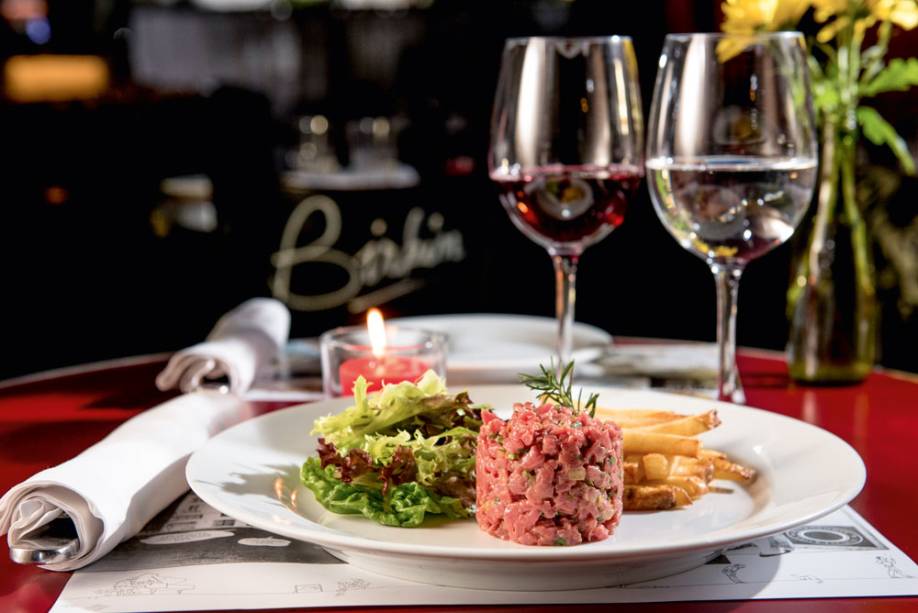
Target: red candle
{"x":377,"y":371}
{"x":378,"y":368}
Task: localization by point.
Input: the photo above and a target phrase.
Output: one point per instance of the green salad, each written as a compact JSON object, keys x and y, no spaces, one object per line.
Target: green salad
{"x":398,"y":454}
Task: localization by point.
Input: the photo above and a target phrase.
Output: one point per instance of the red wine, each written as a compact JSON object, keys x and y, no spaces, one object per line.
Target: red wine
{"x":568,"y":206}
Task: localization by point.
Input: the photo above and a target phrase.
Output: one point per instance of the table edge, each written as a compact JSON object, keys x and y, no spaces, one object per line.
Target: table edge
{"x":85,"y":368}
{"x":150,"y":358}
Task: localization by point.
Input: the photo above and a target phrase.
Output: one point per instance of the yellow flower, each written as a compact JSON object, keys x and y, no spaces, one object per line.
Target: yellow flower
{"x":829,"y":32}
{"x":752,"y":16}
{"x":903,"y":13}
{"x":843,"y":11}
{"x":828,"y":8}
{"x":744,"y":18}
{"x":864,"y":14}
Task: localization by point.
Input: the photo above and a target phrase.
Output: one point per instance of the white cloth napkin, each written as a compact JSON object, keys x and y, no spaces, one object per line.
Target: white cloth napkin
{"x":243,"y":343}
{"x":115,"y":487}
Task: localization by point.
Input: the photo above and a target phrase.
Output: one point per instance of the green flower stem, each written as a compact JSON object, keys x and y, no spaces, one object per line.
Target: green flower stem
{"x":845,"y":157}
{"x":808,"y":268}
{"x":861,"y":245}
{"x":849,"y":68}
{"x":828,"y":194}
{"x":878,"y":53}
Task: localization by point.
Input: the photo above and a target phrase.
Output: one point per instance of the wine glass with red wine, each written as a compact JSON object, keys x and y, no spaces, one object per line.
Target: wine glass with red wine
{"x":567,"y":148}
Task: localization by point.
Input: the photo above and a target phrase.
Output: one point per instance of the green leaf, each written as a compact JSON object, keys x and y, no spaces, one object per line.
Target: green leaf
{"x":898,"y":75}
{"x":825,"y":95}
{"x":816,"y":72}
{"x":404,"y":506}
{"x":880,"y":132}
{"x":373,"y":413}
{"x":448,"y":455}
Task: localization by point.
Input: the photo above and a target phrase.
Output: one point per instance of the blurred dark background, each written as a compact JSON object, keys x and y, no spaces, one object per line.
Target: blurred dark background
{"x":163,"y":161}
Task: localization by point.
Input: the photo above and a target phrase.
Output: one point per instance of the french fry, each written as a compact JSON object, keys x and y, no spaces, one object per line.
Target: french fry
{"x":725,"y":469}
{"x":695,"y":487}
{"x":665,"y":466}
{"x":638,"y":441}
{"x":703,"y":468}
{"x":632,"y":472}
{"x":656,"y":466}
{"x":630,"y":418}
{"x":690,"y":425}
{"x":649,"y":497}
{"x":683,"y":499}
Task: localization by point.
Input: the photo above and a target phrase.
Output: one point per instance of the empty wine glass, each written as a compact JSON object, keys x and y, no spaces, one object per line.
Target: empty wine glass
{"x":567,"y":148}
{"x":731,"y":157}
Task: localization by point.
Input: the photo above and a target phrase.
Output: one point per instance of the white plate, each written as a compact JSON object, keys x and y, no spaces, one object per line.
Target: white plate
{"x":482,"y":343}
{"x":250,"y":472}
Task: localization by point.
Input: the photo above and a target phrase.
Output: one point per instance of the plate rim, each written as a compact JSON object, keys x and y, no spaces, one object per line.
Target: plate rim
{"x":348,"y":542}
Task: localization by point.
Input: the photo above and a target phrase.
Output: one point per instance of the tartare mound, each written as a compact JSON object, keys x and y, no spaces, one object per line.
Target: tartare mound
{"x":548,"y":476}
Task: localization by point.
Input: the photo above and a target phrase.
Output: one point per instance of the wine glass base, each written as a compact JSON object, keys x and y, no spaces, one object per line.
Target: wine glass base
{"x":738,"y":396}
{"x":731,"y":391}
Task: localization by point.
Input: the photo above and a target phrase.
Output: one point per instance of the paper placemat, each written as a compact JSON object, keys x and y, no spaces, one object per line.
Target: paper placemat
{"x":191,"y":557}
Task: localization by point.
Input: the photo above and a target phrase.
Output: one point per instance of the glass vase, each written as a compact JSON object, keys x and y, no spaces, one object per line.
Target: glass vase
{"x":832,"y":302}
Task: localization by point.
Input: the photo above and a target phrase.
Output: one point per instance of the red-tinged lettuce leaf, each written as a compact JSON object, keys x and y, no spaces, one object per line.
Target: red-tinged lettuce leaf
{"x":401,"y":469}
{"x":441,"y":413}
{"x":448,"y":469}
{"x":354,"y":464}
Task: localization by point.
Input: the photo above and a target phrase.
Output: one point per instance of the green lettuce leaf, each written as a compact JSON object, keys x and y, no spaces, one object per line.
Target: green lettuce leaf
{"x":445,"y":455}
{"x":403,"y":506}
{"x":384,"y":410}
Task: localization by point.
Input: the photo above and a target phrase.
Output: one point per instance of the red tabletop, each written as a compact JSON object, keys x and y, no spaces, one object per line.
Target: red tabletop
{"x":47,"y":419}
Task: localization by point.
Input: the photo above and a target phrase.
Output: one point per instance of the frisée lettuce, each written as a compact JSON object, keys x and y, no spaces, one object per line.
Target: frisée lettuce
{"x":397,"y":454}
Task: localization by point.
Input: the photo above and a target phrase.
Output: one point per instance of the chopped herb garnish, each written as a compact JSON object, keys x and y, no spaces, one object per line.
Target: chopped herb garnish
{"x":560,"y":542}
{"x":559,"y":388}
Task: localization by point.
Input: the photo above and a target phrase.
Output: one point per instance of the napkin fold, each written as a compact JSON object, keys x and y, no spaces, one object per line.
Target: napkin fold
{"x":244,"y":342}
{"x":111,"y":490}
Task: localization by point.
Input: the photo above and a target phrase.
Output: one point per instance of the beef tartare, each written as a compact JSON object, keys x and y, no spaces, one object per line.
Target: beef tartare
{"x":548,"y":476}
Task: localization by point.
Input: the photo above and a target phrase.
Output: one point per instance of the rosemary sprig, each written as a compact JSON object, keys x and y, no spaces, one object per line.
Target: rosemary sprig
{"x":559,"y":387}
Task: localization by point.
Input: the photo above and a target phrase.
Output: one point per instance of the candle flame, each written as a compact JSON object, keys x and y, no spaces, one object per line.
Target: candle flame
{"x":376,"y":328}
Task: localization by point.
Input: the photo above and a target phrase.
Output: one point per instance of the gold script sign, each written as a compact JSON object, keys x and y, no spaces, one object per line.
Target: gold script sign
{"x":382,"y":258}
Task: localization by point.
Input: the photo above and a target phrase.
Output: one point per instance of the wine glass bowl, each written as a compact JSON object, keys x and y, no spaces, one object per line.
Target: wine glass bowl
{"x":567,"y":147}
{"x":567,"y":208}
{"x":731,"y":156}
{"x":731,"y":211}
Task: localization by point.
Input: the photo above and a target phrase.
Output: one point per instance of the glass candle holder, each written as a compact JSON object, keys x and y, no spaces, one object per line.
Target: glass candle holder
{"x":409,"y":353}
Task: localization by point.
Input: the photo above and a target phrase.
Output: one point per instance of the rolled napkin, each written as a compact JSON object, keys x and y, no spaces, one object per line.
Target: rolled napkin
{"x":243,"y":343}
{"x":111,"y":490}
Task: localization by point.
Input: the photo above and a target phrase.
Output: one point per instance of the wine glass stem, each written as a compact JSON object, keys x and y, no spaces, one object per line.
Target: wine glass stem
{"x":565,"y":297}
{"x":728,"y":383}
